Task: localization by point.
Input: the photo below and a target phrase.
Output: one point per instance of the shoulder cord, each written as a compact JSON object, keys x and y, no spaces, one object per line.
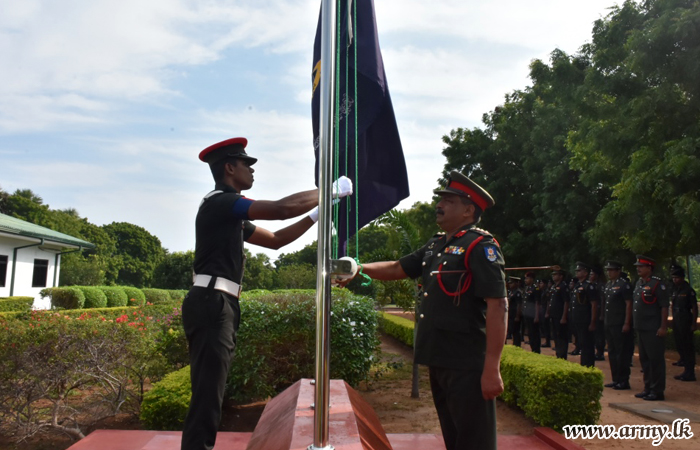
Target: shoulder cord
{"x":467,"y":273}
{"x":653,"y":296}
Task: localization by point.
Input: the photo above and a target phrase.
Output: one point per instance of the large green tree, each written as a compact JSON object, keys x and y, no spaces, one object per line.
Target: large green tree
{"x":520,"y":157}
{"x":140,"y":253}
{"x":174,"y":271}
{"x":640,"y":133}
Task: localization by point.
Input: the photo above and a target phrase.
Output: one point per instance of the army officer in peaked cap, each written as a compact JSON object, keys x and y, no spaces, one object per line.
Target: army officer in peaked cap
{"x":558,"y":310}
{"x":584,"y":310}
{"x":210,"y":311}
{"x":618,"y":325}
{"x":461,"y":320}
{"x":650,"y":315}
{"x":685,"y":318}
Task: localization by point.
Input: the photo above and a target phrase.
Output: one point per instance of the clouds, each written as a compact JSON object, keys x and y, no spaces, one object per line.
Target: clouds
{"x":105,"y":104}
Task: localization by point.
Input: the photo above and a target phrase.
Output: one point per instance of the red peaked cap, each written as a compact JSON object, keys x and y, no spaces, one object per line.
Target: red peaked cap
{"x":459,"y":184}
{"x":644,"y":261}
{"x":233,"y":148}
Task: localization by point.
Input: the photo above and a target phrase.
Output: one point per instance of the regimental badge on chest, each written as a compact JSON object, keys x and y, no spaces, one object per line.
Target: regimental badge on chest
{"x":455,"y":250}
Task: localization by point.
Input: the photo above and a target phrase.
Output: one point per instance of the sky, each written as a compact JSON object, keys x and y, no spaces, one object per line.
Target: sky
{"x":106,"y":104}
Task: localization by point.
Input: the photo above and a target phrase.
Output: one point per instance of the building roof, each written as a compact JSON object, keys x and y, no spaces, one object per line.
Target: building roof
{"x":12,"y":225}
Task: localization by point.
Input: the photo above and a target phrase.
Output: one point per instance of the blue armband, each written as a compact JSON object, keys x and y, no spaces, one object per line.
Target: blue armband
{"x":241,"y":207}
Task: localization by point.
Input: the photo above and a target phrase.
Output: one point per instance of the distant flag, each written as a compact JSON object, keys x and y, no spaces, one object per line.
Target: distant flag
{"x":382,"y":180}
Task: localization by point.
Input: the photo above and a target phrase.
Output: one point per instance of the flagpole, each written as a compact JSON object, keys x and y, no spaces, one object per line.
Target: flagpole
{"x":323,"y":281}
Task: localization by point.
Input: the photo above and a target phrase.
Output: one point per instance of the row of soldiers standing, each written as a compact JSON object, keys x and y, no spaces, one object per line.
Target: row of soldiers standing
{"x":594,"y":314}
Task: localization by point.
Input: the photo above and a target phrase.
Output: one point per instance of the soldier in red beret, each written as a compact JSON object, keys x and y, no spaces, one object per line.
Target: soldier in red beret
{"x":210,"y":311}
{"x":650,"y":317}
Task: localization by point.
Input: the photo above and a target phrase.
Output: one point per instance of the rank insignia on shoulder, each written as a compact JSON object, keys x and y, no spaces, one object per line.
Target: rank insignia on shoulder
{"x":491,"y":253}
{"x":455,"y":250}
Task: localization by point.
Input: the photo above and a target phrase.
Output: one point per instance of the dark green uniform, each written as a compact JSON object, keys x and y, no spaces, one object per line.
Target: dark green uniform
{"x":617,"y":294}
{"x":451,"y":330}
{"x":531,"y":306}
{"x":600,"y":324}
{"x":683,"y":298}
{"x":559,"y":295}
{"x":515,"y":303}
{"x":545,"y":323}
{"x":650,"y":296}
{"x":583,"y":295}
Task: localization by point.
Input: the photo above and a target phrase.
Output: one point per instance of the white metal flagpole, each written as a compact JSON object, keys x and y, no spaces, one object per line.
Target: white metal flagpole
{"x":323,"y":281}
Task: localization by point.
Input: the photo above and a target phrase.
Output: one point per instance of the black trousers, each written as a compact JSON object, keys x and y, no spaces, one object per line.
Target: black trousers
{"x":600,"y":337}
{"x":586,"y":343}
{"x":618,"y":352}
{"x":515,"y":328}
{"x":560,"y":333}
{"x":651,"y":355}
{"x":545,"y":327}
{"x":210,"y":319}
{"x":468,"y":421}
{"x":533,"y":333}
{"x":684,"y":344}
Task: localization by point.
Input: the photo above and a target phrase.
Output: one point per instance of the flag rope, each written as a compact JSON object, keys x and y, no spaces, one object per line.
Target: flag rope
{"x":343,"y":106}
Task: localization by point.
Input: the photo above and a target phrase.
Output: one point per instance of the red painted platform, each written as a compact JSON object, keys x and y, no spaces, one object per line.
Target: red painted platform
{"x":543,"y":439}
{"x":287,"y":424}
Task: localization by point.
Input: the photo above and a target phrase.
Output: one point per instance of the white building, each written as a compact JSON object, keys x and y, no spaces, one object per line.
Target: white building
{"x":30,"y":258}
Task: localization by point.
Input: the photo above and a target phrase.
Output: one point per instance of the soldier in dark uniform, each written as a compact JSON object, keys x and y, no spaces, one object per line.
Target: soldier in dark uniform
{"x":531,"y":311}
{"x":685,"y":319}
{"x":584,"y":300}
{"x":515,"y":312}
{"x":461,"y":323}
{"x":545,"y":323}
{"x":618,"y":325}
{"x":210,"y":311}
{"x":597,"y":279}
{"x":558,"y":312}
{"x":650,"y":313}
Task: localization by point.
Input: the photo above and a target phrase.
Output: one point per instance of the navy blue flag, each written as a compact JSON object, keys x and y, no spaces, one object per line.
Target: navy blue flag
{"x":382,"y":180}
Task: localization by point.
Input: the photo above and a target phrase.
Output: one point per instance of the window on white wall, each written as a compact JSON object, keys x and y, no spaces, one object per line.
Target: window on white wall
{"x":3,"y":270}
{"x":41,"y":271}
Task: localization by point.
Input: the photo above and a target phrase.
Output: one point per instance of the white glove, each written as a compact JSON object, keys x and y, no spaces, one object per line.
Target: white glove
{"x":313,"y":214}
{"x":342,"y":187}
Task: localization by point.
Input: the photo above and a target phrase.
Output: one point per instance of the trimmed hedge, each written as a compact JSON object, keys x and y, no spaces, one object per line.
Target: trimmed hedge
{"x":94,"y":297}
{"x":71,"y":297}
{"x":551,"y":391}
{"x":16,"y":303}
{"x":397,"y":327}
{"x":275,"y":348}
{"x":177,"y":295}
{"x":135,"y":294}
{"x":156,"y":296}
{"x":165,"y":406}
{"x":115,"y":296}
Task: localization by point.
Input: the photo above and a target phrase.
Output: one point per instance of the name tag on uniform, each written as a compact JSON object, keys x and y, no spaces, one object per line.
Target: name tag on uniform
{"x":455,"y":250}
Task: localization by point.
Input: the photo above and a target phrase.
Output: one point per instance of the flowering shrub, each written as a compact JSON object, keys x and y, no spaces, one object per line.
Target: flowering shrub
{"x":61,"y":372}
{"x":275,"y":348}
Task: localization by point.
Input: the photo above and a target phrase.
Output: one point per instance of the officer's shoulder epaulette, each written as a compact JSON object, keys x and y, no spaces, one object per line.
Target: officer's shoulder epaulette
{"x":439,"y":234}
{"x":654,"y":277}
{"x":480,"y":231}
